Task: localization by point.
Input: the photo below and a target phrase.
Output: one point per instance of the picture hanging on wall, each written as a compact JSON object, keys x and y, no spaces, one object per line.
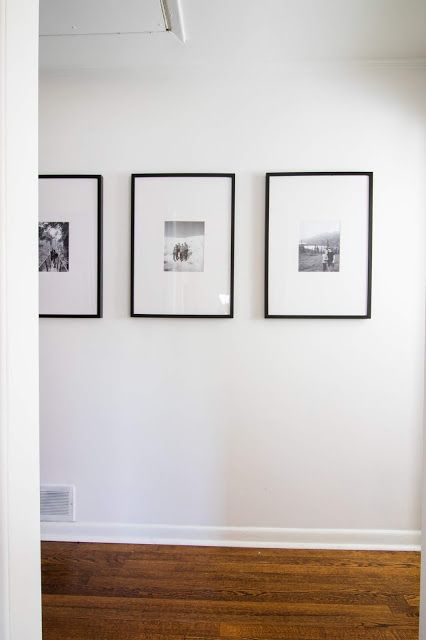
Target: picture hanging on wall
{"x":182,"y":245}
{"x":318,"y":245}
{"x":70,"y":246}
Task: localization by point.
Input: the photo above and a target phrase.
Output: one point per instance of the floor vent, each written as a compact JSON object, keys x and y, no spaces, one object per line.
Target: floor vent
{"x":56,"y":503}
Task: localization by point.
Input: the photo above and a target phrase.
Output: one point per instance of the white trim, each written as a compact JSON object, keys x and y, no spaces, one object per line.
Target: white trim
{"x":422,"y":613}
{"x":4,"y":529}
{"x":381,"y":539}
{"x":20,"y":610}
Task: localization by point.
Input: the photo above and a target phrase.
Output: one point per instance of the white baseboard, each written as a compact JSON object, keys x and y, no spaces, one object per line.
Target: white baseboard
{"x":380,"y":539}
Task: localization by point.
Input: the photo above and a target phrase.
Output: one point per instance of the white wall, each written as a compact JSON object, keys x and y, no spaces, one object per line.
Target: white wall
{"x":234,"y":423}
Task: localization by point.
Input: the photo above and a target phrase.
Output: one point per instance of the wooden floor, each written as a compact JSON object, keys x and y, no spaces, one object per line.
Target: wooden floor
{"x":130,"y":592}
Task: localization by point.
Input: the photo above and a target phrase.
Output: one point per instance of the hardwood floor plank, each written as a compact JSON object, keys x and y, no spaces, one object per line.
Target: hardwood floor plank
{"x":407,"y":634}
{"x":278,"y":632}
{"x":98,"y":628}
{"x":325,"y":594}
{"x":412,"y":599}
{"x":54,"y":551}
{"x":83,"y":605}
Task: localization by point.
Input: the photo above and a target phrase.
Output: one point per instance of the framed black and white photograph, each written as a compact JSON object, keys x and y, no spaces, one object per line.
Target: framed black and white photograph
{"x":70,"y":246}
{"x":318,"y":245}
{"x":182,"y":245}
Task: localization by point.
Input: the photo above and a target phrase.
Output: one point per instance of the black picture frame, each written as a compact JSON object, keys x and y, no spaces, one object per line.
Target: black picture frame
{"x":369,"y":175}
{"x":99,"y":243}
{"x":136,"y":176}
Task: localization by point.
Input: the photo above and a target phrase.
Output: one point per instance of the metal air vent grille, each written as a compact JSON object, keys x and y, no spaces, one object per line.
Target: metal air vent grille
{"x":56,"y":503}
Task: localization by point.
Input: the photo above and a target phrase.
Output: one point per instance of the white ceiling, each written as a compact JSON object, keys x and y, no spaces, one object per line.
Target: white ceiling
{"x":235,"y":32}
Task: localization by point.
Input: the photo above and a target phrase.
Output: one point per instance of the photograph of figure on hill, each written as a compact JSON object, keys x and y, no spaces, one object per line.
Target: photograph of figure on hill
{"x":319,"y":246}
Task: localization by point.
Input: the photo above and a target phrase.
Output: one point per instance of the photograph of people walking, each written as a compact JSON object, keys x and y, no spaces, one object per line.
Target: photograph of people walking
{"x":183,"y":246}
{"x":319,"y":246}
{"x":53,"y":246}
